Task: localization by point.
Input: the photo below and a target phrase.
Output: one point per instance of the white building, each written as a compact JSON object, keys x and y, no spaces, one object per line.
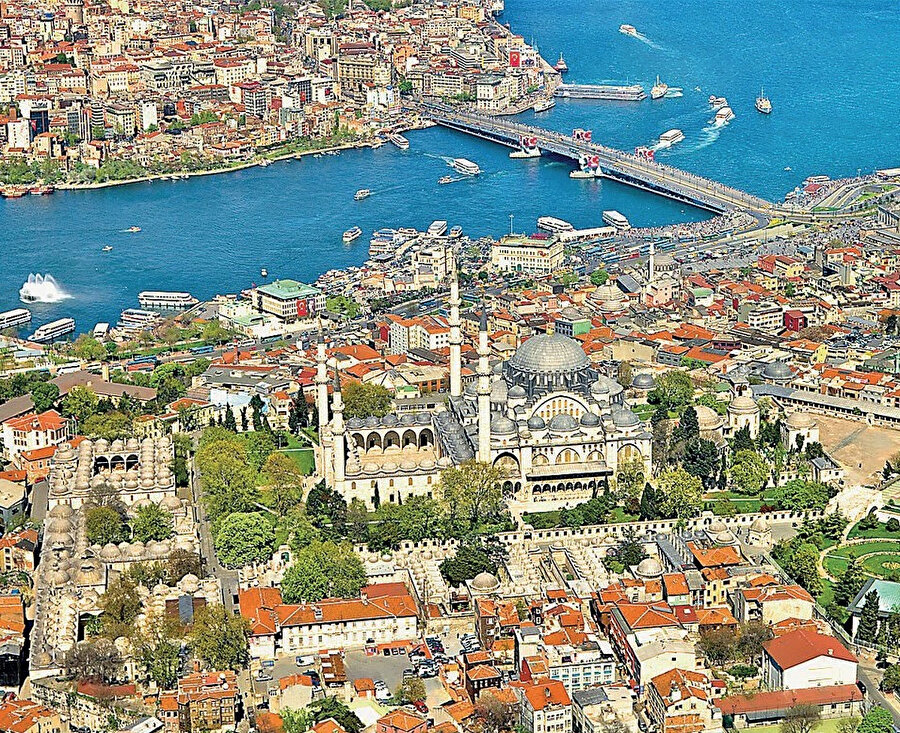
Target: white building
{"x":805,"y":658}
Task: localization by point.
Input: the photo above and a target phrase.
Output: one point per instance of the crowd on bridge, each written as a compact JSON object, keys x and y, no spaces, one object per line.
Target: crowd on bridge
{"x":727,"y":223}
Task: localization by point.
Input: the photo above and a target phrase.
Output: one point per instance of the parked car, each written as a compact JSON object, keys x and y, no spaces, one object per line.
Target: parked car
{"x":420,"y":706}
{"x":306,"y":660}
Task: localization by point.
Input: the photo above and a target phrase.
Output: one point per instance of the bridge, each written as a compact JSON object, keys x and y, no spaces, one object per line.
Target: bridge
{"x":605,"y":162}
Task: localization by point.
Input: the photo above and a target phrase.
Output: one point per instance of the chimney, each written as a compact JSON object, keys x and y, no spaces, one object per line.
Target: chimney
{"x":547,"y":692}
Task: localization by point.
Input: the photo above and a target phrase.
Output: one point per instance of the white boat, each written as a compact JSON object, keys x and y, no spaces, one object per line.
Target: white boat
{"x":723,"y":116}
{"x":264,"y":163}
{"x":351,"y":234}
{"x":446,"y":179}
{"x":659,"y":90}
{"x":437,"y":228}
{"x":101,"y":331}
{"x":137,"y":319}
{"x":53,"y":330}
{"x":553,"y":225}
{"x":544,"y":104}
{"x":384,"y":242}
{"x":14,"y":318}
{"x":763,"y":103}
{"x":264,"y":272}
{"x":670,"y":137}
{"x":363,"y":193}
{"x":616,"y":219}
{"x":133,"y":230}
{"x":628,"y":30}
{"x":466,"y":167}
{"x":561,"y":66}
{"x":107,"y":248}
{"x":398,"y":140}
{"x":167,"y":300}
{"x":717,"y":102}
{"x":455,"y":232}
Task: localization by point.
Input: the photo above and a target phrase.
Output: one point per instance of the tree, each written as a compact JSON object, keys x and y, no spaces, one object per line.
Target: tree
{"x":323,"y":709}
{"x":151,"y":522}
{"x":121,"y":605}
{"x":412,"y":689}
{"x":630,"y":481}
{"x":80,"y":403}
{"x":97,"y":659}
{"x":891,"y":680}
{"x":651,"y":503}
{"x":103,"y":524}
{"x":226,"y":477}
{"x":718,"y":645}
{"x":471,"y":492}
{"x":156,"y":647}
{"x":495,"y":714}
{"x":742,"y":440}
{"x":800,"y":560}
{"x":800,"y":719}
{"x":418,"y":518}
{"x":877,"y":720}
{"x":867,"y":629}
{"x":365,"y":400}
{"x":473,"y":556}
{"x":599,"y":276}
{"x":701,"y":459}
{"x":244,"y":539}
{"x":749,"y":472}
{"x":260,"y":446}
{"x":849,"y":583}
{"x":673,"y":389}
{"x":323,"y":570}
{"x":753,"y":635}
{"x":108,"y":425}
{"x":689,"y":424}
{"x":87,"y":348}
{"x":800,"y":495}
{"x":230,"y":423}
{"x":220,"y":638}
{"x":44,"y":395}
{"x":624,"y":374}
{"x":681,"y":493}
{"x":629,"y":553}
{"x":213,"y":332}
{"x":302,"y":531}
{"x":285,"y":481}
{"x":327,"y":510}
{"x":181,"y":563}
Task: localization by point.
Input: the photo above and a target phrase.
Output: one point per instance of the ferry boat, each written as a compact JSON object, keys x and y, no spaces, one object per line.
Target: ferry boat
{"x":544,"y":104}
{"x":133,"y":230}
{"x":670,"y":137}
{"x":351,"y":234}
{"x":51,"y":331}
{"x":363,"y":193}
{"x":384,"y":241}
{"x":438,"y":228}
{"x":398,"y":140}
{"x":763,"y":103}
{"x":455,"y":232}
{"x":553,"y":225}
{"x":107,"y":248}
{"x":101,"y":331}
{"x":628,"y":30}
{"x":14,"y":318}
{"x":446,"y":179}
{"x":611,"y":92}
{"x":659,"y":90}
{"x":137,"y":319}
{"x":561,"y":66}
{"x":616,"y":219}
{"x":717,"y":102}
{"x":166,"y":300}
{"x":723,"y":116}
{"x":408,"y":232}
{"x":466,"y":167}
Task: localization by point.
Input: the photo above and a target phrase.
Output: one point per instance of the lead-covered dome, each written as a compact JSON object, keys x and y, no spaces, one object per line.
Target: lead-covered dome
{"x":549,"y":353}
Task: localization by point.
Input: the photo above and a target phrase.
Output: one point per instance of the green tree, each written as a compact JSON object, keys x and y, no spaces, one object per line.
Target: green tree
{"x":365,"y":400}
{"x":749,"y":472}
{"x":151,"y":522}
{"x":800,"y":495}
{"x":327,"y":510}
{"x":742,"y":440}
{"x":651,"y":503}
{"x":88,"y":348}
{"x":121,"y":605}
{"x":226,"y":477}
{"x":244,"y":539}
{"x":302,"y":532}
{"x":220,"y":638}
{"x":285,"y":481}
{"x":599,"y":276}
{"x":80,"y":403}
{"x":689,"y":424}
{"x":103,"y":524}
{"x":108,"y":425}
{"x":44,"y":395}
{"x":213,"y":332}
{"x":323,"y":570}
{"x":673,"y":389}
{"x":630,"y":480}
{"x":259,"y":447}
{"x":867,"y":629}
{"x":156,"y":647}
{"x":681,"y":493}
{"x":890,"y":682}
{"x":701,"y":459}
{"x":629,"y":553}
{"x":325,"y":708}
{"x":412,"y":689}
{"x":800,"y":560}
{"x":877,"y":720}
{"x":473,"y":556}
{"x":849,"y":583}
{"x":471,"y":492}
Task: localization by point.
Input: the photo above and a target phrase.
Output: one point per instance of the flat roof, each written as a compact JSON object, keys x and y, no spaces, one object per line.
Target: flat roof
{"x":287,"y":289}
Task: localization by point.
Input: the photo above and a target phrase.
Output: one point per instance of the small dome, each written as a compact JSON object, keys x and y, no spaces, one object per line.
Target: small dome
{"x":801,"y":421}
{"x":623,"y":418}
{"x":649,"y":567}
{"x":171,"y":502}
{"x":516,"y":392}
{"x":760,"y":525}
{"x":600,"y":387}
{"x":536,"y":422}
{"x":724,"y":538}
{"x":408,"y":466}
{"x":743,"y":404}
{"x":778,"y":371}
{"x":644,"y":380}
{"x":563,"y":422}
{"x":502,"y":425}
{"x":60,"y":511}
{"x":110,"y":552}
{"x":590,"y":420}
{"x":707,"y":418}
{"x":485,"y":582}
{"x":717,"y":526}
{"x":390,"y":420}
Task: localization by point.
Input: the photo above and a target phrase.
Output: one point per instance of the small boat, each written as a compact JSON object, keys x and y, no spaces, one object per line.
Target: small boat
{"x":107,"y":248}
{"x":723,"y":116}
{"x":446,"y":179}
{"x":12,"y":192}
{"x":363,"y":193}
{"x":763,"y":103}
{"x":717,"y":102}
{"x":561,"y":66}
{"x":264,"y":272}
{"x":265,"y":163}
{"x":41,"y":190}
{"x":455,"y":232}
{"x":133,"y":230}
{"x":628,"y":30}
{"x":670,"y":137}
{"x":659,"y":89}
{"x":544,"y":104}
{"x":351,"y":234}
{"x":788,"y":168}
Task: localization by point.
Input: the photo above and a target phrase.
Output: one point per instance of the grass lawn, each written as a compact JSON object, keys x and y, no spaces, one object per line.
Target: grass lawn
{"x":827,"y":594}
{"x":835,"y":565}
{"x":305,"y":458}
{"x":854,"y":551}
{"x":882,"y":564}
{"x":620,"y":515}
{"x":877,"y":533}
{"x":823,"y":726}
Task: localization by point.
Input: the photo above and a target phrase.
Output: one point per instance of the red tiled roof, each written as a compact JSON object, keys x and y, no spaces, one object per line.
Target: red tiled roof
{"x":786,"y":699}
{"x":803,"y":645}
{"x":550,"y":692}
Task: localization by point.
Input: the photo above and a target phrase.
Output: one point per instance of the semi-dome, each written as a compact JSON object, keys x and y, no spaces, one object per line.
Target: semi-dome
{"x":589,"y":419}
{"x":563,"y":422}
{"x":549,"y":353}
{"x":778,"y":371}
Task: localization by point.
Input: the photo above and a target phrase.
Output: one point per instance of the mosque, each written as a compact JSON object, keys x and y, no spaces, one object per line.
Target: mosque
{"x":556,"y":427}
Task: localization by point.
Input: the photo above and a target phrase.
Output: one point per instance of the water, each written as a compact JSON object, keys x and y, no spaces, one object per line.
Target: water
{"x":826,"y":67}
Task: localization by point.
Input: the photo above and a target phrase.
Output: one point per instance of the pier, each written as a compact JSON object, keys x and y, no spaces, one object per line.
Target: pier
{"x":603,"y":161}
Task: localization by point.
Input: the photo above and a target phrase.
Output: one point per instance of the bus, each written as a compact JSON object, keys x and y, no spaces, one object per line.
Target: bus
{"x":202,"y":350}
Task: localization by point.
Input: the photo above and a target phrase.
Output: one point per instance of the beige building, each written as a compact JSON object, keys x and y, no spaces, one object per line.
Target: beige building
{"x":519,"y":253}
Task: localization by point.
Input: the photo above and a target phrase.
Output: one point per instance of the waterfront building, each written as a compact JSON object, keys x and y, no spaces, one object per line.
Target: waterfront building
{"x":537,"y":254}
{"x":289,"y":300}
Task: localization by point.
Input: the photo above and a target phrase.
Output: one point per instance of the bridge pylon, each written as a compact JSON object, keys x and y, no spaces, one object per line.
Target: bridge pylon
{"x":527,"y":148}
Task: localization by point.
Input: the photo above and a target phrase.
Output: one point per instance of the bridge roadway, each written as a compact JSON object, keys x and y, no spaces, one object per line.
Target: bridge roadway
{"x":616,"y":165}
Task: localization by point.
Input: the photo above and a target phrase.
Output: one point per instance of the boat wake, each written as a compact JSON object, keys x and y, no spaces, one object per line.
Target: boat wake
{"x":708,"y":135}
{"x":42,"y":289}
{"x":674,"y":93}
{"x":643,"y":39}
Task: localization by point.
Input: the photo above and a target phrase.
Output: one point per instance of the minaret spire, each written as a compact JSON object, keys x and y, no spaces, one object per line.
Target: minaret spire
{"x":484,"y":391}
{"x":455,"y":334}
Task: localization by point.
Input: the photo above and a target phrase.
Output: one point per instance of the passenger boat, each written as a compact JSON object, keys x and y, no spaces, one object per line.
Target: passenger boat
{"x":717,"y":102}
{"x":544,"y":104}
{"x":616,"y":219}
{"x":363,"y":193}
{"x":53,"y":330}
{"x":137,"y":319}
{"x":166,"y":300}
{"x":561,"y":66}
{"x":553,"y":225}
{"x":466,"y":167}
{"x":659,"y":90}
{"x":384,"y":241}
{"x":670,"y":137}
{"x":351,"y":234}
{"x":438,"y":228}
{"x":628,"y":30}
{"x":398,"y":140}
{"x":763,"y":103}
{"x":723,"y":116}
{"x":14,"y":318}
{"x":41,"y":190}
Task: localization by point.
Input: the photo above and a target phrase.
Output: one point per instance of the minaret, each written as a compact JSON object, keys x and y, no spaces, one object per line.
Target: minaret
{"x":651,"y":265}
{"x":337,"y":431}
{"x":484,"y":392}
{"x":455,"y":335}
{"x":321,"y":383}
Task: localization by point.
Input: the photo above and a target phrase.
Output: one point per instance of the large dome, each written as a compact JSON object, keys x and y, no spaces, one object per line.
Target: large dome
{"x":549,"y":353}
